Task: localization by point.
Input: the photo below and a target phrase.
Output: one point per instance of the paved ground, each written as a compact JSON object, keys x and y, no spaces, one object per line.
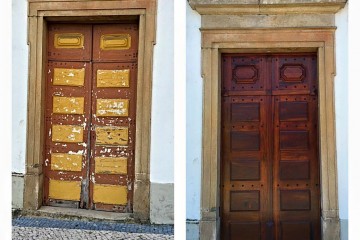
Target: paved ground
{"x":45,"y":228}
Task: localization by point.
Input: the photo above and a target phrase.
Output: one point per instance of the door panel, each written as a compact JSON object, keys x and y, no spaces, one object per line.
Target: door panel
{"x":269,"y":153}
{"x":90,"y":116}
{"x":70,"y":42}
{"x":115,"y":43}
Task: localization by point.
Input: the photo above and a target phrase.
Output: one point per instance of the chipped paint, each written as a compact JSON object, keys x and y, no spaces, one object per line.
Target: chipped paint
{"x":111,"y":165}
{"x":115,"y":42}
{"x":112,"y":135}
{"x":113,"y":78}
{"x":64,"y":190}
{"x":68,"y":105}
{"x":66,"y":162}
{"x":69,"y":77}
{"x":110,"y":194}
{"x":80,"y":152}
{"x":112,"y":107}
{"x":67,"y":133}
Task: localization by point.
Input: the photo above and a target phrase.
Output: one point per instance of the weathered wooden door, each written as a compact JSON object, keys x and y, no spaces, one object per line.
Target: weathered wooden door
{"x":269,"y":148}
{"x":90,"y":116}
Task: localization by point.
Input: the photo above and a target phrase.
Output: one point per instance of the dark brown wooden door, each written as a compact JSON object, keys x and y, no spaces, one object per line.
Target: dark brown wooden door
{"x":269,"y":148}
{"x":90,"y":116}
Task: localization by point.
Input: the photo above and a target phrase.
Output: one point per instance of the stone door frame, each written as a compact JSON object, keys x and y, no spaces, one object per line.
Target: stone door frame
{"x":39,"y":13}
{"x":217,"y":41}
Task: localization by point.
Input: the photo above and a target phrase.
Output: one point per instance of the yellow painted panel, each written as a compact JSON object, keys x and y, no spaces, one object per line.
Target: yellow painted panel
{"x":66,"y":162}
{"x":115,"y":41}
{"x":112,"y":78}
{"x":69,"y":40}
{"x":111,"y":165}
{"x":110,"y":194}
{"x":112,"y":107}
{"x":69,"y":76}
{"x":112,"y":136}
{"x":65,"y":190}
{"x":68,"y":105}
{"x":67,"y":133}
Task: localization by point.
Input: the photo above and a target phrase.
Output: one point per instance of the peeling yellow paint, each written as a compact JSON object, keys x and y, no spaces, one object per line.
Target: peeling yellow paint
{"x":112,"y":135}
{"x":112,"y":78}
{"x":115,"y":41}
{"x":67,"y":133}
{"x":69,"y":40}
{"x":112,"y":107}
{"x":68,"y":105}
{"x":64,"y":190}
{"x":110,"y":194}
{"x":69,"y":77}
{"x":66,"y":162}
{"x":111,"y":165}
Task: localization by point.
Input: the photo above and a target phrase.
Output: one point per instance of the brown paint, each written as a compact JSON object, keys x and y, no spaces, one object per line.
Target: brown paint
{"x":91,"y":58}
{"x":269,"y":151}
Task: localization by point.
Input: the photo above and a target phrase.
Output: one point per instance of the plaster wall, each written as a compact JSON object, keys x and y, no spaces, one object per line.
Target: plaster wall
{"x":341,"y":112}
{"x":162,"y":119}
{"x":19,"y":84}
{"x":193,"y":114}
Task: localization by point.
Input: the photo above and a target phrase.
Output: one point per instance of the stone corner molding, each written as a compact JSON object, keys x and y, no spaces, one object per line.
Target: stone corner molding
{"x":241,"y":7}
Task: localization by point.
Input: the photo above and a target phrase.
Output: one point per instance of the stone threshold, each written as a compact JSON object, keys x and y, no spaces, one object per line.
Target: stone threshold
{"x":78,"y":214}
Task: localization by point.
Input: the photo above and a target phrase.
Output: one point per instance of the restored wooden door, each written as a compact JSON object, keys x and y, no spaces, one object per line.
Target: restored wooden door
{"x":90,"y":116}
{"x":269,"y":149}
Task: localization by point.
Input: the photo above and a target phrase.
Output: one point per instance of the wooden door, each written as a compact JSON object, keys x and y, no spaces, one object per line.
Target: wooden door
{"x":90,"y":116}
{"x":269,"y":148}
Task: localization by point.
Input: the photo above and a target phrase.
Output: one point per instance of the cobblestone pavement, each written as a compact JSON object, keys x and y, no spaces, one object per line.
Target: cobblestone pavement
{"x":30,"y":228}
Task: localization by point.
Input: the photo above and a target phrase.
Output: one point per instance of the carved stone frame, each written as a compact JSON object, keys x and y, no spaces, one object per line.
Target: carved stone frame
{"x":39,"y":13}
{"x":215,"y":42}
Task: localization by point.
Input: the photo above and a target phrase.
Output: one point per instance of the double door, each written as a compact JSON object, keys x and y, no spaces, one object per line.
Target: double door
{"x":90,"y":112}
{"x":269,"y":148}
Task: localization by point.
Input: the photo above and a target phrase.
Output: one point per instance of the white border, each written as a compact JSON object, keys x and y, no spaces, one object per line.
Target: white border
{"x":5,"y":125}
{"x":354,"y":120}
{"x":180,"y":118}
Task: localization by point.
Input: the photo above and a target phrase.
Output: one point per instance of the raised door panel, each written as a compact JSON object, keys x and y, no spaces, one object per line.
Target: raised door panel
{"x":244,"y":75}
{"x":115,"y":42}
{"x":294,"y":74}
{"x":69,"y":42}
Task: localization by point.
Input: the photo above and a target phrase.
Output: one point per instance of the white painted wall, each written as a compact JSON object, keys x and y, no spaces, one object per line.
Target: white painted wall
{"x":193,"y":114}
{"x":19,"y":84}
{"x":341,"y":109}
{"x":162,"y":115}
